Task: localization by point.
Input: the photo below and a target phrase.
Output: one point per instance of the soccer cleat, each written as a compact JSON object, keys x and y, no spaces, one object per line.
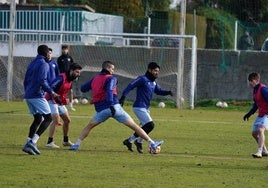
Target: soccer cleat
{"x":139,"y":146}
{"x":33,"y":146}
{"x":156,"y":143}
{"x":28,"y":150}
{"x":128,"y":144}
{"x":74,"y":147}
{"x":264,"y":153}
{"x":69,"y":143}
{"x":52,"y":145}
{"x":257,"y":155}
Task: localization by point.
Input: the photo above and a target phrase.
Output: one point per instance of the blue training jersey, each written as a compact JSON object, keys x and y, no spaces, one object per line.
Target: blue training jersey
{"x":144,"y":91}
{"x":35,"y":81}
{"x":53,"y":71}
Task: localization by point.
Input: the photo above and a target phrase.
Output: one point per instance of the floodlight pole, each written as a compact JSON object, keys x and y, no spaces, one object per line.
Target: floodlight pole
{"x":11,"y":51}
{"x":147,"y":15}
{"x":179,"y":96}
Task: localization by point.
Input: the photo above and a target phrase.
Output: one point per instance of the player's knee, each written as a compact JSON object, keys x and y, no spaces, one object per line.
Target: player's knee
{"x":47,"y":118}
{"x":148,"y":127}
{"x":37,"y":119}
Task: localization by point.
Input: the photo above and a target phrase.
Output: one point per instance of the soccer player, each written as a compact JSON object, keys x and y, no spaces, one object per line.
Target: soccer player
{"x":61,"y":85}
{"x":53,"y":67}
{"x":35,"y":85}
{"x":260,"y":97}
{"x":145,"y":86}
{"x":64,"y":62}
{"x":106,"y":103}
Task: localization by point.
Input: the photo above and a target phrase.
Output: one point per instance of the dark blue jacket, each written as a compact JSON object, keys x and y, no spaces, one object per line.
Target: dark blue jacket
{"x":35,"y":81}
{"x":144,"y":92}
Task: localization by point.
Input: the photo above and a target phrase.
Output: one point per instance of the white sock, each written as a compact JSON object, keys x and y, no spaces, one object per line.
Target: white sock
{"x":150,"y":141}
{"x":259,"y":150}
{"x":78,"y":142}
{"x":35,"y":138}
{"x":132,"y":138}
{"x":139,"y":140}
{"x":264,"y":149}
{"x":71,"y":105}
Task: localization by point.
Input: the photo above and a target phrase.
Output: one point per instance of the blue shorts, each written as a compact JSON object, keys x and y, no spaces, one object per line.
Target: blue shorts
{"x":260,"y":121}
{"x":57,"y":109}
{"x":143,"y":115}
{"x":120,"y":114}
{"x":38,"y":106}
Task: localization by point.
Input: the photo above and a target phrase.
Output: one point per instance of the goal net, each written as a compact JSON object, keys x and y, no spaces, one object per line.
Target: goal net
{"x":131,"y":54}
{"x":177,"y":62}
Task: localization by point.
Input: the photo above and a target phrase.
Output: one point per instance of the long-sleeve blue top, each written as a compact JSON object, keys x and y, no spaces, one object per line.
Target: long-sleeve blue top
{"x":109,"y":86}
{"x":53,"y":71}
{"x":35,"y":81}
{"x":144,"y":91}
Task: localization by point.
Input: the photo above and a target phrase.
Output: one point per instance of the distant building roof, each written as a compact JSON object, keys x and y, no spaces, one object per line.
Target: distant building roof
{"x":48,"y":7}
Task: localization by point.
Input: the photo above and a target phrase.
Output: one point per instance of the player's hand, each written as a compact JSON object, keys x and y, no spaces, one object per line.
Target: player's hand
{"x":58,"y":100}
{"x":112,"y":110}
{"x":122,"y":100}
{"x":246,"y":116}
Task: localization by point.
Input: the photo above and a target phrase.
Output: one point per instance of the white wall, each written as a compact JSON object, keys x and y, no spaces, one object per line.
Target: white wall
{"x":28,"y":49}
{"x":8,"y":1}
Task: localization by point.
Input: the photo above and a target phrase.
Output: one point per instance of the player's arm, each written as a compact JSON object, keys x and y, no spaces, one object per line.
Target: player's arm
{"x":109,"y":86}
{"x":42,"y":78}
{"x":253,"y":109}
{"x":264,"y":92}
{"x":86,"y":87}
{"x":56,"y":83}
{"x":160,"y":91}
{"x":133,"y":84}
{"x":72,"y":61}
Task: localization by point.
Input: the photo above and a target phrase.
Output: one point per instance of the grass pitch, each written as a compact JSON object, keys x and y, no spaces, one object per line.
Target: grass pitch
{"x":205,"y":147}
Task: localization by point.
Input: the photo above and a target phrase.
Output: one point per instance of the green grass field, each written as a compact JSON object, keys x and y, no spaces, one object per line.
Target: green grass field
{"x":204,"y":147}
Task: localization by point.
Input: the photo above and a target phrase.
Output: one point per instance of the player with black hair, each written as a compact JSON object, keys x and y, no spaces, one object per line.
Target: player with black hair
{"x":62,"y":85}
{"x":35,"y":86}
{"x":64,"y":63}
{"x":145,"y":86}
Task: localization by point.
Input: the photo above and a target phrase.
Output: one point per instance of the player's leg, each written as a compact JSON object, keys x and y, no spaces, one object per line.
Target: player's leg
{"x":264,"y":148}
{"x":131,"y":124}
{"x":38,"y":106}
{"x":259,"y":126}
{"x":55,"y":121}
{"x":122,"y":117}
{"x":66,"y":126}
{"x":145,"y":119}
{"x":96,"y":120}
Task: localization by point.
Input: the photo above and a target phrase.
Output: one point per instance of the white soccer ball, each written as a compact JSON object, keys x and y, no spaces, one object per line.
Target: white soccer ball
{"x":161,"y":105}
{"x":155,"y":151}
{"x":84,"y":101}
{"x":75,"y":101}
{"x":219,"y":104}
{"x":224,"y":105}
